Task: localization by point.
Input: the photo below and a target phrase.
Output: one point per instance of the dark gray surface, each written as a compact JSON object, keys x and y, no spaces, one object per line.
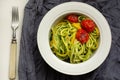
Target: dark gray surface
{"x":31,"y":64}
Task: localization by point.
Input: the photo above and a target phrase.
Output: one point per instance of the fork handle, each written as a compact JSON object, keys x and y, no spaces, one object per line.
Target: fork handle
{"x":12,"y":65}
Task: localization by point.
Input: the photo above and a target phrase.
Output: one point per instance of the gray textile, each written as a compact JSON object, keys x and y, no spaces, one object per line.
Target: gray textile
{"x":31,"y":64}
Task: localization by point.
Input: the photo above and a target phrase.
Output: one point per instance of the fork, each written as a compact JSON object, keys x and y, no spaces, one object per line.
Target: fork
{"x":13,"y":47}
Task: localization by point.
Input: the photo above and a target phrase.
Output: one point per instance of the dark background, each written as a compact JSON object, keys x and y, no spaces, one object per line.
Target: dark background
{"x":31,"y":64}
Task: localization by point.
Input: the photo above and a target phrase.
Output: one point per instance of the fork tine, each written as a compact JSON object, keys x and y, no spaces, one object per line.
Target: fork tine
{"x":13,"y":14}
{"x":17,"y":15}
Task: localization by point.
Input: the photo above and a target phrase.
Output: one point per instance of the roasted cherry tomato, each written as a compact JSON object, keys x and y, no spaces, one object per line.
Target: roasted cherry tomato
{"x":82,"y":36}
{"x":72,"y":18}
{"x":88,"y":25}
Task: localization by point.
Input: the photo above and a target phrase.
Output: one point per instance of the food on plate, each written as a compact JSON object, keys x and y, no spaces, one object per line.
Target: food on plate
{"x":88,"y":25}
{"x":75,"y":38}
{"x":82,"y":36}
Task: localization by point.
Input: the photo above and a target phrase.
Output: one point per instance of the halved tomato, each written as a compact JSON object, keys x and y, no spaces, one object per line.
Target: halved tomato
{"x":88,"y":25}
{"x":72,"y":18}
{"x":82,"y":36}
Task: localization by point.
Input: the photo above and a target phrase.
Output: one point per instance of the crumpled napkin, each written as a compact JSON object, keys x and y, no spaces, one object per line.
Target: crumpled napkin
{"x":31,"y":64}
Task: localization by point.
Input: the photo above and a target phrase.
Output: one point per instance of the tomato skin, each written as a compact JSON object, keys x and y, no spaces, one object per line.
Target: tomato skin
{"x":88,"y":25}
{"x":72,"y":18}
{"x":82,"y":36}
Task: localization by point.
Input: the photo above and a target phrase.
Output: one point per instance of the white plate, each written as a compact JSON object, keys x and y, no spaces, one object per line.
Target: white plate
{"x":63,"y":67}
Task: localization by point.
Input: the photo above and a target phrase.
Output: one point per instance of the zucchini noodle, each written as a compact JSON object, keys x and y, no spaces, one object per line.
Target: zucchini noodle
{"x":67,"y":48}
